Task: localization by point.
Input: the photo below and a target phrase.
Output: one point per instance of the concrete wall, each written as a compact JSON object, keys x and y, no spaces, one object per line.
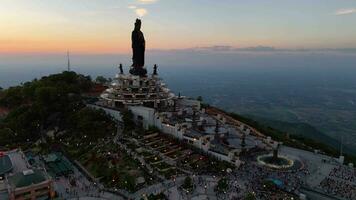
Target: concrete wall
{"x":114,"y":113}
{"x":220,"y":156}
{"x":148,"y":115}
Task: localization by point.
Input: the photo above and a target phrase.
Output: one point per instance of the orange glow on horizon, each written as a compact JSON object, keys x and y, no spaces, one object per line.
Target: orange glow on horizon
{"x":44,"y":48}
{"x":99,"y":27}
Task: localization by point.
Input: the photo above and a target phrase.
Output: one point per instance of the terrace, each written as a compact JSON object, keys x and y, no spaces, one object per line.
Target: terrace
{"x":114,"y":168}
{"x":174,"y":154}
{"x":170,"y":157}
{"x":153,"y":159}
{"x":162,"y":166}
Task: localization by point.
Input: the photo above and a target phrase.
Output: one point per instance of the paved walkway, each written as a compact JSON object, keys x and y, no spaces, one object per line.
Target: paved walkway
{"x":318,"y":165}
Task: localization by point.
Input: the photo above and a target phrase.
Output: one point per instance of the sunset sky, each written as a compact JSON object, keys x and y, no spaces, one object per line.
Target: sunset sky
{"x":104,"y":26}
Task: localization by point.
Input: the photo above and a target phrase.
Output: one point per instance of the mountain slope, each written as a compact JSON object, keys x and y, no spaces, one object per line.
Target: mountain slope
{"x":301,"y":129}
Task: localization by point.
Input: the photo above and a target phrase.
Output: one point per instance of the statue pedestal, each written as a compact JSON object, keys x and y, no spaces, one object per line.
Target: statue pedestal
{"x":138,"y":71}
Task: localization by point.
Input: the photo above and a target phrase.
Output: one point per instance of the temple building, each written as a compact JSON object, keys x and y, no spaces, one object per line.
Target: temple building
{"x":129,"y":89}
{"x":153,"y":104}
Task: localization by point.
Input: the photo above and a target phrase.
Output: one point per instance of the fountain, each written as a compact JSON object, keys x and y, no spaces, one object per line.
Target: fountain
{"x":279,"y":162}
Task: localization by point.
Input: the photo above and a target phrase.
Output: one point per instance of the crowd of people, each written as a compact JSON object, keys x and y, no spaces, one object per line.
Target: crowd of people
{"x":340,"y":182}
{"x":338,"y":188}
{"x":234,"y":190}
{"x":255,"y":176}
{"x":76,"y":186}
{"x":344,"y":173}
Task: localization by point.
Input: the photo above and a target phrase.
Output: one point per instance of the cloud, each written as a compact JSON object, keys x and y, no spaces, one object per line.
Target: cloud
{"x":231,"y":48}
{"x":346,"y":11}
{"x":140,"y":12}
{"x":137,"y":7}
{"x":147,"y":1}
{"x":217,"y":48}
{"x":258,"y":49}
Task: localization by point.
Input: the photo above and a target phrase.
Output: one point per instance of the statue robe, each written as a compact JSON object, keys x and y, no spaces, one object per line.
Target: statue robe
{"x":138,"y":48}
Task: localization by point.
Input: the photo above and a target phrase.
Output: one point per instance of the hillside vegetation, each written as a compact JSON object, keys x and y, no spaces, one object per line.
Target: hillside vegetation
{"x":301,"y":129}
{"x":54,"y":102}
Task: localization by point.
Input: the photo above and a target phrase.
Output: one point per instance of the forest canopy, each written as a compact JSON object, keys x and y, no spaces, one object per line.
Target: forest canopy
{"x":52,"y":101}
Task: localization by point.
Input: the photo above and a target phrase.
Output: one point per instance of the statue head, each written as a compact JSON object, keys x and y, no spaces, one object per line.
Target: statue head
{"x":138,"y":24}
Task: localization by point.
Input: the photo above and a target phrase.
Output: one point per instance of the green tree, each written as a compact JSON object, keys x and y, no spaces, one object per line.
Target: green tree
{"x":222,"y":185}
{"x":200,"y":98}
{"x":12,"y":97}
{"x":188,"y":184}
{"x":92,"y":123}
{"x":160,"y":196}
{"x":250,"y":196}
{"x":44,"y":103}
{"x":46,"y":95}
{"x":101,"y":80}
{"x":25,"y":121}
{"x":128,"y":120}
{"x":6,"y":137}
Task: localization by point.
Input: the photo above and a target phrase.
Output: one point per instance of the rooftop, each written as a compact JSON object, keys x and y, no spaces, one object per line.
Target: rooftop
{"x":18,"y":160}
{"x":50,"y":158}
{"x":57,"y":166}
{"x":26,"y":178}
{"x":5,"y":164}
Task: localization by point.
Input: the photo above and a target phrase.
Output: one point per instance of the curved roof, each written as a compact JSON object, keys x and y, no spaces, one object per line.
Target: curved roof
{"x":5,"y":164}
